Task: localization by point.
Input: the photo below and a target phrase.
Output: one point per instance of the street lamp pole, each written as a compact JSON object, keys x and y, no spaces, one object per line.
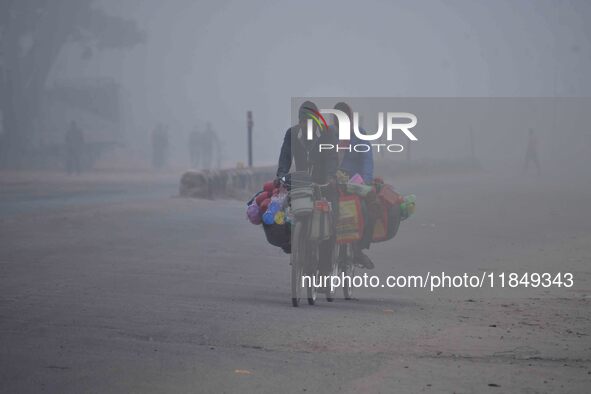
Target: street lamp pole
{"x":249,"y":124}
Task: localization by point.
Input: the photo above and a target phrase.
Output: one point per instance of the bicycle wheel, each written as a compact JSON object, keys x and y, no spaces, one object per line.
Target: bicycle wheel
{"x":312,"y":291}
{"x":330,"y":292}
{"x":311,"y":270}
{"x":298,"y":253}
{"x":348,"y":269}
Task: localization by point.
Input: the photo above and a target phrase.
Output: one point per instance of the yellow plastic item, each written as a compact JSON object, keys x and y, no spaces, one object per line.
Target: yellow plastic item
{"x":280,"y":217}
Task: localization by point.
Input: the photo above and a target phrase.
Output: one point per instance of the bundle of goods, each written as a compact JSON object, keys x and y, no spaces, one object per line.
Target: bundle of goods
{"x":388,"y":219}
{"x":269,"y":207}
{"x":379,"y":201}
{"x":407,"y":207}
{"x":350,"y":223}
{"x":394,"y":209}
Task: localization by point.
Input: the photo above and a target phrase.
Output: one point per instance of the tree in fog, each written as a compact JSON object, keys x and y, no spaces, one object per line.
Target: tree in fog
{"x":32,"y":33}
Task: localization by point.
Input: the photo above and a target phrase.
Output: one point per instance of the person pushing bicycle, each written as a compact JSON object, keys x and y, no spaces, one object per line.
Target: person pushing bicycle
{"x":321,"y":166}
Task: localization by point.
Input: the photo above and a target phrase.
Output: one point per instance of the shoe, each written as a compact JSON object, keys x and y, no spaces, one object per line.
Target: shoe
{"x":364,"y":261}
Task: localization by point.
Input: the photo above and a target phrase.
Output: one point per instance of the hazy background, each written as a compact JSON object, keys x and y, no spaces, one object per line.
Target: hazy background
{"x":201,"y":61}
{"x":108,"y":283}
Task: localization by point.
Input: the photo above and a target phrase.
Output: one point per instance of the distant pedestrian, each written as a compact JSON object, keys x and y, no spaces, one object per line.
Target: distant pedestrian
{"x":205,"y":148}
{"x":210,"y":148}
{"x":74,"y":142}
{"x":531,"y":153}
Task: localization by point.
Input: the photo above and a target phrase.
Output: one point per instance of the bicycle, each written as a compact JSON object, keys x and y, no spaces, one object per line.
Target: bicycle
{"x":304,"y":197}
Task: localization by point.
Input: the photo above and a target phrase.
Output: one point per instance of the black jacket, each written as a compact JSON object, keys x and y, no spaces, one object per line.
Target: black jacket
{"x":322,"y":166}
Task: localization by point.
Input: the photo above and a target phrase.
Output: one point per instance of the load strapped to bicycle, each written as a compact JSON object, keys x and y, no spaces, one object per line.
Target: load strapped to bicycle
{"x":297,"y":216}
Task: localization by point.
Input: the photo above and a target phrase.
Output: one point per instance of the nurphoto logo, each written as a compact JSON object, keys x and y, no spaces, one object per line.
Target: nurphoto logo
{"x":393,"y":123}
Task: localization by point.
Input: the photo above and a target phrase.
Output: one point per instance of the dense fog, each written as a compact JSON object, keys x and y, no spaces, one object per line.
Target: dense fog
{"x":183,"y":64}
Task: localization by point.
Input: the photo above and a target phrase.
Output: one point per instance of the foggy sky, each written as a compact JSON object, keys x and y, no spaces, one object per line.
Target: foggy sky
{"x":214,"y":60}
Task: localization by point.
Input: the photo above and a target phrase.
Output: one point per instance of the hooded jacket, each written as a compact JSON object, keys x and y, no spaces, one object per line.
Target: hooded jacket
{"x":322,"y":166}
{"x":358,"y":162}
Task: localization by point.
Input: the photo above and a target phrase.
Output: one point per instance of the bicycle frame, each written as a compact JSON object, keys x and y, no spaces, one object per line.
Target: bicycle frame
{"x":305,"y":252}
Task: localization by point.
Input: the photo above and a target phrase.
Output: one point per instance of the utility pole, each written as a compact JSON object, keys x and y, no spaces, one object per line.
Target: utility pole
{"x":249,"y":124}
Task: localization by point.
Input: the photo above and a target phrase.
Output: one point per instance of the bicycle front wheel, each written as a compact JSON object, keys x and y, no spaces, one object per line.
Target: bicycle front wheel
{"x":298,"y":255}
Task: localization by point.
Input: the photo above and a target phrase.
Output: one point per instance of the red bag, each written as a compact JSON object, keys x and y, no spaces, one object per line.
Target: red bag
{"x":380,"y":230}
{"x":269,"y":186}
{"x":262,"y":197}
{"x":389,"y":196}
{"x":350,"y":222}
{"x":388,"y":222}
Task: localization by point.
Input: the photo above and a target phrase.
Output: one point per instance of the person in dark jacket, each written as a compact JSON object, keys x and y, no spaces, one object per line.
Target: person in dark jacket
{"x":321,"y":166}
{"x":356,"y":162}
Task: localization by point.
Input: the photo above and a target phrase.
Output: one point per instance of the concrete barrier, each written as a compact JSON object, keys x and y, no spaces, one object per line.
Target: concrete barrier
{"x":231,"y":183}
{"x":242,"y":183}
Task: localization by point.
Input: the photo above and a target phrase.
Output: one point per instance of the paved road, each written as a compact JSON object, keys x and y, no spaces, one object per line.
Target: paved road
{"x":139,"y":291}
{"x":39,"y":192}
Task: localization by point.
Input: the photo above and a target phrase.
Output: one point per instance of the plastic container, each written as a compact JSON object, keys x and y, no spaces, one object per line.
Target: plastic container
{"x":280,"y":217}
{"x":356,"y":180}
{"x":278,"y":235}
{"x":253,"y":214}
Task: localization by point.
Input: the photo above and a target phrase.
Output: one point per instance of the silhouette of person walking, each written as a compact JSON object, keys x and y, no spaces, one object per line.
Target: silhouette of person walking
{"x":204,"y":147}
{"x":531,"y":153}
{"x":74,"y":148}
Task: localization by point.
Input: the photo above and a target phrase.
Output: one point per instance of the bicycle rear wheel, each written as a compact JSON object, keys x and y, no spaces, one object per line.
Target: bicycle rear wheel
{"x":347,"y":267}
{"x":334,"y":271}
{"x":298,"y":255}
{"x":311,"y":269}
